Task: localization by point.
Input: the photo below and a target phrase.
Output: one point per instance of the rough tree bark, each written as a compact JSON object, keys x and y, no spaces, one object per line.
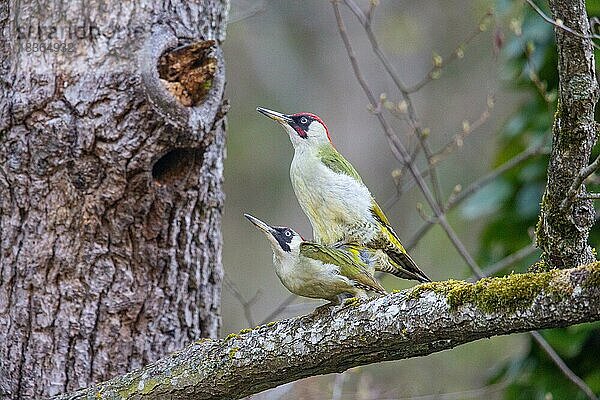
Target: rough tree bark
{"x":110,"y":188}
{"x":419,"y":321}
{"x":565,"y":221}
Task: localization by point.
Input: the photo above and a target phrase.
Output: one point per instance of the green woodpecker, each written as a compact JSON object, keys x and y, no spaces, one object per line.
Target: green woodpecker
{"x":318,"y":271}
{"x":334,"y":198}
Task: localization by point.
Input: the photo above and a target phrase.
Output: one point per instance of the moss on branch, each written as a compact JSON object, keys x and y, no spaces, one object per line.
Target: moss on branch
{"x":505,"y":294}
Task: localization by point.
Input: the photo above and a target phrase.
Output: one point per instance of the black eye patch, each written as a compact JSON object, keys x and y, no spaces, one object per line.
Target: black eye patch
{"x":302,"y":122}
{"x":284,"y":236}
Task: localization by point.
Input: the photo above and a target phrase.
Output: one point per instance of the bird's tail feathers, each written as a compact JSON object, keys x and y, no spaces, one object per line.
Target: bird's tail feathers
{"x":404,"y":267}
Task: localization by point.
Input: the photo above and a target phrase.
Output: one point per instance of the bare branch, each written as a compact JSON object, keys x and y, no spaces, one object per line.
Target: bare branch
{"x":560,"y":24}
{"x":467,"y":128}
{"x":562,"y":366}
{"x":456,"y":54}
{"x":415,"y":124}
{"x":400,"y":152}
{"x":478,"y":184}
{"x":511,"y":259}
{"x":419,"y":321}
{"x":578,"y":181}
{"x":246,"y":304}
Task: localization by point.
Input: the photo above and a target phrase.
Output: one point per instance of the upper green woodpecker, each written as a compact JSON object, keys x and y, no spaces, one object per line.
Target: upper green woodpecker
{"x":313,"y":270}
{"x":334,"y":198}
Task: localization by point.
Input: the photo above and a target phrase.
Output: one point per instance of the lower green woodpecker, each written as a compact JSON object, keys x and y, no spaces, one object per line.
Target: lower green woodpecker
{"x":322,"y":272}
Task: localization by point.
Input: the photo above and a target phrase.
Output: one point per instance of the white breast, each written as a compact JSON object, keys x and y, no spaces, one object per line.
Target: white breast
{"x":311,"y":278}
{"x":333,"y":202}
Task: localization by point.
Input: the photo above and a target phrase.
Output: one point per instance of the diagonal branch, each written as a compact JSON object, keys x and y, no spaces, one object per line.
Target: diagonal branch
{"x":415,"y":124}
{"x":578,"y":181}
{"x":480,"y":183}
{"x":562,"y":366}
{"x":415,"y":322}
{"x":400,"y":152}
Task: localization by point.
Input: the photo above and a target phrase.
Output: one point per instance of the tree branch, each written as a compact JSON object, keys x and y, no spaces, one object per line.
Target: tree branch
{"x":415,"y":322}
{"x":575,"y":187}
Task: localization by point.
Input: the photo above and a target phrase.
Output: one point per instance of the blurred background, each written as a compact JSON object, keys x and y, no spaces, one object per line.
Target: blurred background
{"x":499,"y":92}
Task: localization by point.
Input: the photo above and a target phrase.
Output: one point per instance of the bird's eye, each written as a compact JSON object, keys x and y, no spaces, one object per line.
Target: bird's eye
{"x":288,"y":233}
{"x":303,"y":120}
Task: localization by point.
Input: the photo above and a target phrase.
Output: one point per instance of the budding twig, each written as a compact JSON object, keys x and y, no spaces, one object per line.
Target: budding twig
{"x":559,"y":24}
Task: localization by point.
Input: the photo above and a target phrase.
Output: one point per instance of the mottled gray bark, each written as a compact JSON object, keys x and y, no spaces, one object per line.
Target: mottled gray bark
{"x":419,"y":321}
{"x":110,"y":252}
{"x":565,"y":220}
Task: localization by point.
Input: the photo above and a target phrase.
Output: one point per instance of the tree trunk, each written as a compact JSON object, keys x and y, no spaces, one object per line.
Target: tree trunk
{"x":110,"y":187}
{"x":565,"y":220}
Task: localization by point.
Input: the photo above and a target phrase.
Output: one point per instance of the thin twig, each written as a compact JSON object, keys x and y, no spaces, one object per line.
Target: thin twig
{"x":246,"y":304}
{"x":583,"y":174}
{"x":439,"y":155}
{"x":399,"y":150}
{"x":510,"y":259}
{"x":535,"y":78}
{"x":478,"y":184}
{"x":562,"y":26}
{"x":456,"y":54}
{"x":468,"y":128}
{"x":562,"y":366}
{"x":412,"y":114}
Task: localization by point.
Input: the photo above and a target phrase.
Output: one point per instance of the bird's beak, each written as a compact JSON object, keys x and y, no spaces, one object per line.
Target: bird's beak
{"x":274,"y":115}
{"x":266,"y":228}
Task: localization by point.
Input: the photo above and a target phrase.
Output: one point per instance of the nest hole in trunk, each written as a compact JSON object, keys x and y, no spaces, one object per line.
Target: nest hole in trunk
{"x":177,"y":165}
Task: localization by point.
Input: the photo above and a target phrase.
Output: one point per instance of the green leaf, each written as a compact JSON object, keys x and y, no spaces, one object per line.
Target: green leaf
{"x":487,"y":200}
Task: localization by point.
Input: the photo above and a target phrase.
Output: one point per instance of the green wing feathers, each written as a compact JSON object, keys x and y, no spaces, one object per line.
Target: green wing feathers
{"x":380,"y":216}
{"x":390,"y":244}
{"x":336,"y":162}
{"x":388,"y":241}
{"x":352,"y":267}
{"x":387,"y":230}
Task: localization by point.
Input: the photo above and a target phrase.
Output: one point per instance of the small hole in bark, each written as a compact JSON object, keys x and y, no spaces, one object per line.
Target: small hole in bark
{"x":188,"y":71}
{"x":176,"y":165}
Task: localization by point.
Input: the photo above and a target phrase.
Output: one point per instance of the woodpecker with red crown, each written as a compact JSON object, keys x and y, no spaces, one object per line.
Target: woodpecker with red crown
{"x":333,"y":196}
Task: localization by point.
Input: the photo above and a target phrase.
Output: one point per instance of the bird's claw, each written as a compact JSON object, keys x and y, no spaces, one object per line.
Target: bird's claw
{"x":325,"y":306}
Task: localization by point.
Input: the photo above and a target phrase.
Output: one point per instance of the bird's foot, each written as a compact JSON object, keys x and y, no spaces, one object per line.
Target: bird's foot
{"x":351,"y":301}
{"x":326,"y":306}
